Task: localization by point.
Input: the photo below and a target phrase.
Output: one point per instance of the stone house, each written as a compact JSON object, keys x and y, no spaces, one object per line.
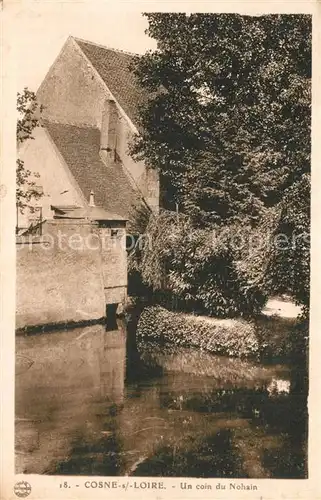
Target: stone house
{"x":91,"y":101}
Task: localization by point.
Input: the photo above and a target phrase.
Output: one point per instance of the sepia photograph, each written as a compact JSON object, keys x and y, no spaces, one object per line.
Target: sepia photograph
{"x":162,"y":242}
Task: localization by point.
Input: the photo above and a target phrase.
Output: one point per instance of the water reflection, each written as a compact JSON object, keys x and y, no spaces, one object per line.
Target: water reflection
{"x":89,"y":401}
{"x":278,"y":386}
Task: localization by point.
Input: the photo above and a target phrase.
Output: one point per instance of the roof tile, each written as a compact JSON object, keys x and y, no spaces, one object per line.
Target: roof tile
{"x":79,"y":146}
{"x":113,"y":67}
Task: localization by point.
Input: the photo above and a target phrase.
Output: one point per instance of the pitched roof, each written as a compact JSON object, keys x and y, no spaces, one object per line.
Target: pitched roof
{"x":79,"y":146}
{"x":113,"y":67}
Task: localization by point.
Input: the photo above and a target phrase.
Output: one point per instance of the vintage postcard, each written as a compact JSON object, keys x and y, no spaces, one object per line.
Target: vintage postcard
{"x":159,"y":250}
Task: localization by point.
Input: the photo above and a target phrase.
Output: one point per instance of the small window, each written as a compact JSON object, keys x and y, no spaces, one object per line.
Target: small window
{"x":114,"y":232}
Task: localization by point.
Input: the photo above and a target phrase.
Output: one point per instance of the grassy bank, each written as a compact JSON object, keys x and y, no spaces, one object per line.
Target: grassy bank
{"x":265,"y":337}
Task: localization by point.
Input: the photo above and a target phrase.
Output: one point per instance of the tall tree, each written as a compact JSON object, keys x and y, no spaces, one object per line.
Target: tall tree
{"x":228,"y":121}
{"x":29,"y":112}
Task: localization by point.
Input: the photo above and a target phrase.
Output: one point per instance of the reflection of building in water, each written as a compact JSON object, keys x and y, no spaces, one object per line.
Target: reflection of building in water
{"x":104,"y":362}
{"x":60,"y":395}
{"x":112,"y":365}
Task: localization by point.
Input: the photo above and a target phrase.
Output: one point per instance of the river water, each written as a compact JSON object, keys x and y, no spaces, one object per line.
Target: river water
{"x":90,"y":402}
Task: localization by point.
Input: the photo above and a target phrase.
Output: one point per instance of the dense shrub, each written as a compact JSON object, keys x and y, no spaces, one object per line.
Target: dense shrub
{"x":227,"y":337}
{"x":196,"y":266}
{"x":276,"y":336}
{"x":265,"y":337}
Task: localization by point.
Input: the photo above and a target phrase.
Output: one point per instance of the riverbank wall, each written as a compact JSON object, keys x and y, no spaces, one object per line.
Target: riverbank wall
{"x":70,"y":273}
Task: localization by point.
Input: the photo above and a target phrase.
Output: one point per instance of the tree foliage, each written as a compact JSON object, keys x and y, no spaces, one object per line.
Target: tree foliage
{"x":229,"y":110}
{"x":288,"y":268}
{"x":279,"y":262}
{"x":227,"y":126}
{"x":276,"y":257}
{"x":28,"y":119}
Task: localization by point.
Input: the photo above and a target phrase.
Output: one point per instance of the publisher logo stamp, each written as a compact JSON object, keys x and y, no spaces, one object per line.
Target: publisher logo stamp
{"x":22,"y":489}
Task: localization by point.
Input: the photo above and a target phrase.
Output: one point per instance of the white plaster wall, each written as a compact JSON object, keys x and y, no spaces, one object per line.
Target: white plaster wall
{"x":41,"y":156}
{"x":72,"y":92}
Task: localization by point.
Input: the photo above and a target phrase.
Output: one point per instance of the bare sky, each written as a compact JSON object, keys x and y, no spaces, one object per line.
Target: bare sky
{"x":40,"y":27}
{"x":42,"y":30}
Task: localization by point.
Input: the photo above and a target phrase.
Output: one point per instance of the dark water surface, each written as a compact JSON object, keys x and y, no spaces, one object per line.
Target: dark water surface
{"x":88,"y":402}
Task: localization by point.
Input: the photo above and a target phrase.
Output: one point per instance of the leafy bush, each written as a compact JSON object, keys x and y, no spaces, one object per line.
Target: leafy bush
{"x":276,"y":336}
{"x":262,"y":338}
{"x":226,"y":337}
{"x":196,"y":266}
